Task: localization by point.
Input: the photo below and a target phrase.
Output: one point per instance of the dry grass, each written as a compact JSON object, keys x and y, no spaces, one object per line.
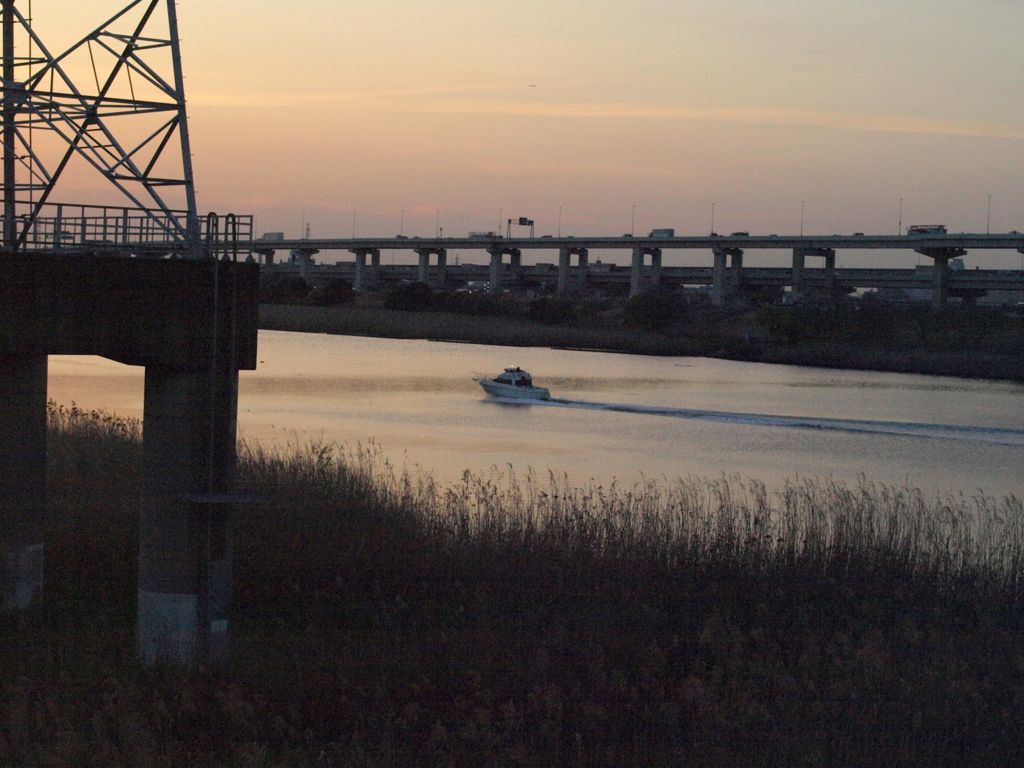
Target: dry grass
{"x":385,"y":620}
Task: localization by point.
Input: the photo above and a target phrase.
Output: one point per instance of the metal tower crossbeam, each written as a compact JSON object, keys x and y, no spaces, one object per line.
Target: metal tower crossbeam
{"x":92,"y":122}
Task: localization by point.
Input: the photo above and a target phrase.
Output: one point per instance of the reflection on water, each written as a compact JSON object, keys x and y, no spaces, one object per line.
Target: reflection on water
{"x":417,"y":400}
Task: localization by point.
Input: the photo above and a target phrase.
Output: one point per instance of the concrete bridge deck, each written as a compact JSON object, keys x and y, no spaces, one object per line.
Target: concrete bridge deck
{"x":727,"y":276}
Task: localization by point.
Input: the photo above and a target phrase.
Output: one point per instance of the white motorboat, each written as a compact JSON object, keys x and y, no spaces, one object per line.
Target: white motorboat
{"x":513,"y":382}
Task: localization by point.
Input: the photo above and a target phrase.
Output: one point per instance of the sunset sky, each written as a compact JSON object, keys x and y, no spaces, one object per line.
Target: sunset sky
{"x":315,"y":110}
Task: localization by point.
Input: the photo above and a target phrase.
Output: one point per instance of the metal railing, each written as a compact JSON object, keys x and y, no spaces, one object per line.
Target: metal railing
{"x":140,"y":231}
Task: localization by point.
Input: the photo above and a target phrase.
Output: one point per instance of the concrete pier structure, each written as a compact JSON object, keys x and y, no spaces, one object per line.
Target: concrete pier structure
{"x":361,"y":282}
{"x":375,"y":267}
{"x":940,"y":280}
{"x":494,"y":286}
{"x":304,"y":258}
{"x":189,"y":433}
{"x":638,"y":284}
{"x":22,"y":478}
{"x":565,"y":254}
{"x":725,"y":283}
{"x":192,"y":324}
{"x":423,"y":271}
{"x":799,"y":264}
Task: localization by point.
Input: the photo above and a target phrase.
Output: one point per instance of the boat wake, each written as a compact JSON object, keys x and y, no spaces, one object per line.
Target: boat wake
{"x":989,"y":435}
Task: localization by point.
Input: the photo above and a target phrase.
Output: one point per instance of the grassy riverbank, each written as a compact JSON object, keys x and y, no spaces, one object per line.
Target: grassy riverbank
{"x":968,"y":342}
{"x":383,"y":620}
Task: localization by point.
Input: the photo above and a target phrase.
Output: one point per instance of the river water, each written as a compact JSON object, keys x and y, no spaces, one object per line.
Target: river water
{"x":614,"y":416}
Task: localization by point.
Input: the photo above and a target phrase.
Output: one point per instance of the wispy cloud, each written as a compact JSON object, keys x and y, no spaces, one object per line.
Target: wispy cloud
{"x":465,"y":100}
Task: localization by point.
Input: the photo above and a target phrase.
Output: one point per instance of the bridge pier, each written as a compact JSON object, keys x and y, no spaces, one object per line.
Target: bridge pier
{"x":726,"y":283}
{"x":22,"y":478}
{"x":360,"y":281}
{"x":192,"y":324}
{"x":940,"y":277}
{"x":494,"y":284}
{"x":637,"y":283}
{"x":423,"y":273}
{"x":357,"y":283}
{"x":515,"y":268}
{"x":798,"y":279}
{"x":304,"y":257}
{"x":565,"y":254}
{"x":185,"y":526}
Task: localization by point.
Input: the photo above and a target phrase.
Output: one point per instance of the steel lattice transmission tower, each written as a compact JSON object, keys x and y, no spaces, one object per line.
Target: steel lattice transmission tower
{"x":115,"y":99}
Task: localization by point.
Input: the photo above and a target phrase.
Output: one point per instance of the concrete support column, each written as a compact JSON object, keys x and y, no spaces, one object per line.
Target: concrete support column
{"x":564,"y":259}
{"x":583,"y":258}
{"x":940,"y":282}
{"x":940,"y":278}
{"x":655,"y":267}
{"x":189,"y":433}
{"x":22,"y":479}
{"x":736,"y":272}
{"x":516,"y":265}
{"x":424,"y":265}
{"x":797,"y":281}
{"x":636,"y":273}
{"x":718,"y":277}
{"x":305,"y":258}
{"x":830,"y":273}
{"x":494,"y":286}
{"x":442,"y":268}
{"x":375,"y":267}
{"x":360,"y":279}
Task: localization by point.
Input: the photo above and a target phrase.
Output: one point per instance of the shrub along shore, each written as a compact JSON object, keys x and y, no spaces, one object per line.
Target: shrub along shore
{"x":381,"y":619}
{"x":865,"y":334}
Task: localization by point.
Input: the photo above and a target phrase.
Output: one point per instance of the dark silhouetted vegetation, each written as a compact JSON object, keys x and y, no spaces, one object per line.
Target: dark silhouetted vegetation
{"x":410,"y":297}
{"x":383,"y":620}
{"x":656,"y":310}
{"x":331,"y":293}
{"x":980,"y":342}
{"x":554,"y":311}
{"x":282,"y":289}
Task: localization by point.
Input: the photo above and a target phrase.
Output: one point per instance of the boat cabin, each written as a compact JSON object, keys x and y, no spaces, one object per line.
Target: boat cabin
{"x":517,"y":377}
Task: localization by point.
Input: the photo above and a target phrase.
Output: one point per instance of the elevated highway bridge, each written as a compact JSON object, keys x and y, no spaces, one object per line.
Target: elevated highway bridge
{"x":725,"y":275}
